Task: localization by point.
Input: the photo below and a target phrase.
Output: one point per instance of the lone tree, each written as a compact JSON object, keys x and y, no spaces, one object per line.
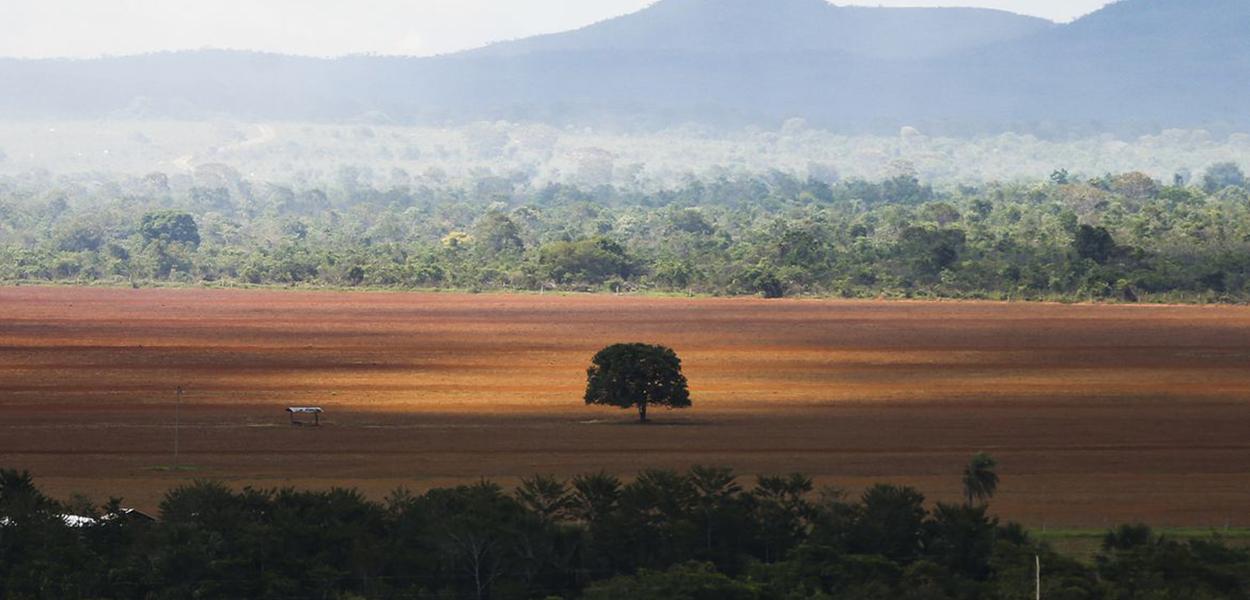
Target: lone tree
{"x":980,"y":480}
{"x":636,"y":375}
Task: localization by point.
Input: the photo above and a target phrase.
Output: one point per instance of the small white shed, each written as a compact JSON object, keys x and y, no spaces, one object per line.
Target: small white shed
{"x":315,"y":411}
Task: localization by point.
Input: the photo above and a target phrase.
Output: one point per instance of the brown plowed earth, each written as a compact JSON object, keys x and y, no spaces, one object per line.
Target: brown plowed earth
{"x":1098,"y":414}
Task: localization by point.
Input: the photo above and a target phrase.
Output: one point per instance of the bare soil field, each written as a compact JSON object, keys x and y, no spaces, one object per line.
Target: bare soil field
{"x":1097,"y":414}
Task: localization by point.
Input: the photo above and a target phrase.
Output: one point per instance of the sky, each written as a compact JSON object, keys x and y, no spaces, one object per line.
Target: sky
{"x":86,"y":28}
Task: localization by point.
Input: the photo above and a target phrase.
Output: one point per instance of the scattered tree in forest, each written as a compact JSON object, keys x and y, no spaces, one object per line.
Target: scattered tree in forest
{"x":170,"y":226}
{"x":1223,"y":175}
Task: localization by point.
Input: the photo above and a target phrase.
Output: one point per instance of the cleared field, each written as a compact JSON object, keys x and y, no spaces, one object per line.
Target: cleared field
{"x":1098,"y":414}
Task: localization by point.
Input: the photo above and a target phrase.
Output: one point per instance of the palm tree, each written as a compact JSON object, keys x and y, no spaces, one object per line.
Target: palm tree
{"x":980,"y":480}
{"x":716,"y":489}
{"x":594,"y":496}
{"x":545,"y":496}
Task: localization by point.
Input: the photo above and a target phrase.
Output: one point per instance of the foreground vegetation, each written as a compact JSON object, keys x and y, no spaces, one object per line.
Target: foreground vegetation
{"x":1123,"y":237}
{"x":1085,"y":544}
{"x":700,"y":534}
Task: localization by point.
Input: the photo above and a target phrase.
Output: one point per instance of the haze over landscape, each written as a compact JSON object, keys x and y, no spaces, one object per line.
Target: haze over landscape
{"x":83,"y":29}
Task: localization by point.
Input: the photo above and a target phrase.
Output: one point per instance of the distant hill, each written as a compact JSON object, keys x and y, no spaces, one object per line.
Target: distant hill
{"x":175,"y":84}
{"x":752,"y":27}
{"x":1137,"y":64}
{"x":1161,"y":62}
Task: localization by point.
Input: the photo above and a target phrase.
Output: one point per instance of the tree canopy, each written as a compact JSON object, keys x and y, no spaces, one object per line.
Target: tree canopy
{"x":637,"y":376}
{"x":592,"y":260}
{"x":701,"y":534}
{"x":1094,"y":243}
{"x":980,"y":480}
{"x":775,"y":234}
{"x":1223,"y":175}
{"x":170,"y":226}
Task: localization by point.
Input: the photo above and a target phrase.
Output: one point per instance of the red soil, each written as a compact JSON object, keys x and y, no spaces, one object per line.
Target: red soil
{"x":1098,"y":414}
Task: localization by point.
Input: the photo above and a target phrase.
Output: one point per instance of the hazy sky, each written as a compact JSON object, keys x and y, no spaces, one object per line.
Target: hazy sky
{"x":43,"y":28}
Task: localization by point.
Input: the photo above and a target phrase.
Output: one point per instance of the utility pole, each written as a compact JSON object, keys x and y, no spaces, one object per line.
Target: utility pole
{"x":177,"y":425}
{"x":1038,"y":558}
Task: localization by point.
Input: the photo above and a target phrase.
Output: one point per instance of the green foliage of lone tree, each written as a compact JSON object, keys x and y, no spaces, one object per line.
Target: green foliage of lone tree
{"x":637,"y":376}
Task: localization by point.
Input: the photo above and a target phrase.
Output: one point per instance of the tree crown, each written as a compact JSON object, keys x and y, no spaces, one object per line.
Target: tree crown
{"x":636,"y":375}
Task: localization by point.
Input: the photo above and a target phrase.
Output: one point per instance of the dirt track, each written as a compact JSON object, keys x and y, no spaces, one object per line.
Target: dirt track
{"x":1098,"y":414}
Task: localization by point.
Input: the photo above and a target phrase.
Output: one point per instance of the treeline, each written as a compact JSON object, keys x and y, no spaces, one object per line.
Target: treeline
{"x":1122,"y":237}
{"x":665,"y":535}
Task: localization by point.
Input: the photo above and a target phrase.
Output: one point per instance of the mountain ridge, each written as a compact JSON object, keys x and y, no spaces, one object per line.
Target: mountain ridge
{"x":714,"y":27}
{"x":1146,"y":64}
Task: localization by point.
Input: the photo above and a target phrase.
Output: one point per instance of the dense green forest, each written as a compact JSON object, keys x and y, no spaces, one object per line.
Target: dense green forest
{"x":1122,"y":237}
{"x":664,"y":535}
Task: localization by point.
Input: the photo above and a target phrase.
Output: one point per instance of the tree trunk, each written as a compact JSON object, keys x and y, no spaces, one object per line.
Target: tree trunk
{"x":642,"y":412}
{"x":708,"y":521}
